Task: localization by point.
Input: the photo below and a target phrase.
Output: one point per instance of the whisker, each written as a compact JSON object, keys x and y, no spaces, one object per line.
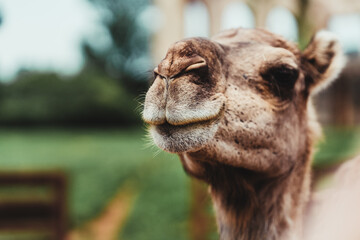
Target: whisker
{"x":140,"y":99}
{"x":157,"y":152}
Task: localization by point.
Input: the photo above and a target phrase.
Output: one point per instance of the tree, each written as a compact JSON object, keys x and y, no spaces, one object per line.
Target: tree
{"x":1,"y":18}
{"x":127,"y":55}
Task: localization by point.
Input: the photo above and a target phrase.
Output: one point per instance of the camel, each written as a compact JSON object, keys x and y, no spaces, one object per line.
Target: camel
{"x":237,"y":110}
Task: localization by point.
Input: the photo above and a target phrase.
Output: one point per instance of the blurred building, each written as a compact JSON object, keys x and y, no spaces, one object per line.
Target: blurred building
{"x":296,"y":20}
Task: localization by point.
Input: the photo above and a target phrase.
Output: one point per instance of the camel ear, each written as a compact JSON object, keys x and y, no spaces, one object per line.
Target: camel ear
{"x":323,"y":60}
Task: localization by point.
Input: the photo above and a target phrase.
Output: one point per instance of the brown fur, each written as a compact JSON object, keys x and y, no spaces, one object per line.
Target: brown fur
{"x":237,"y":111}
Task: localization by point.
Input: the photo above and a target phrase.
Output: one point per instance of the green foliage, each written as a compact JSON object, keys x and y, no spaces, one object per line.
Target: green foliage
{"x":47,"y":98}
{"x":127,"y":57}
{"x":103,"y":93}
{"x":339,"y":144}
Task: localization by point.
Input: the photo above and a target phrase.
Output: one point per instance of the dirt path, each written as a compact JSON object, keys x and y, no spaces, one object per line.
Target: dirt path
{"x":110,"y":222}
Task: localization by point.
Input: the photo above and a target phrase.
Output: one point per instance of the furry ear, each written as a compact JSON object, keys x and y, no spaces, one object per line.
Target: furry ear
{"x":323,"y":60}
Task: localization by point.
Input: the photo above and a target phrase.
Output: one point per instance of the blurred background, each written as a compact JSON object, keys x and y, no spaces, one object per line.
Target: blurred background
{"x":74,"y":160}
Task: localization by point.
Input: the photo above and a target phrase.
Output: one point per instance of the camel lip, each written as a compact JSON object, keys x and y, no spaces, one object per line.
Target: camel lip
{"x":191,"y":122}
{"x":182,"y":138}
{"x":167,"y":129}
{"x":166,"y":124}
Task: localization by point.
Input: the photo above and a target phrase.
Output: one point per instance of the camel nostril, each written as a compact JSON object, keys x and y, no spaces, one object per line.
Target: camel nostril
{"x":166,"y":81}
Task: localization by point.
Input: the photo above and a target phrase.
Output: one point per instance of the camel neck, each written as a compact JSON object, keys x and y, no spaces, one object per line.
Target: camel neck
{"x":251,"y":207}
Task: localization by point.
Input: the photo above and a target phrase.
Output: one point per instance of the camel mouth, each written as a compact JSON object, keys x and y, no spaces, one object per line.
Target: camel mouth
{"x":184,"y":138}
{"x":168,"y":128}
{"x":177,"y":119}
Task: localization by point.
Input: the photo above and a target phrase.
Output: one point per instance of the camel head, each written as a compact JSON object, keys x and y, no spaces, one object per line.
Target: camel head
{"x":243,"y":90}
{"x":237,"y":110}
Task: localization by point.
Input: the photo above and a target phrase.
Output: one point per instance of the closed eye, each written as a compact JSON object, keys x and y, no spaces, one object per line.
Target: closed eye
{"x":156,"y":73}
{"x":192,"y":68}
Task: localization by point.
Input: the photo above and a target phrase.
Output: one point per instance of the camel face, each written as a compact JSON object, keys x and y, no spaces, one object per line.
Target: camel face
{"x":186,"y":100}
{"x":244,"y":90}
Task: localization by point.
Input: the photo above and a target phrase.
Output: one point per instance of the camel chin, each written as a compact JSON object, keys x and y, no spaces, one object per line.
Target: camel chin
{"x":183,"y":138}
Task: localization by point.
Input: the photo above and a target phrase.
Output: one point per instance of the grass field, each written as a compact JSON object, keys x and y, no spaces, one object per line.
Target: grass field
{"x":99,"y":163}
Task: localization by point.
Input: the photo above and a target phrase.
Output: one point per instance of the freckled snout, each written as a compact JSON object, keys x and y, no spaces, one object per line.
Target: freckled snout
{"x":185,"y":90}
{"x":155,"y":103}
{"x":177,"y":104}
{"x":184,"y":105}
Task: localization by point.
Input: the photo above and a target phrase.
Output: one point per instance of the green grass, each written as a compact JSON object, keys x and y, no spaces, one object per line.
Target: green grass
{"x":99,"y":162}
{"x":162,"y":209}
{"x":338,"y":144}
